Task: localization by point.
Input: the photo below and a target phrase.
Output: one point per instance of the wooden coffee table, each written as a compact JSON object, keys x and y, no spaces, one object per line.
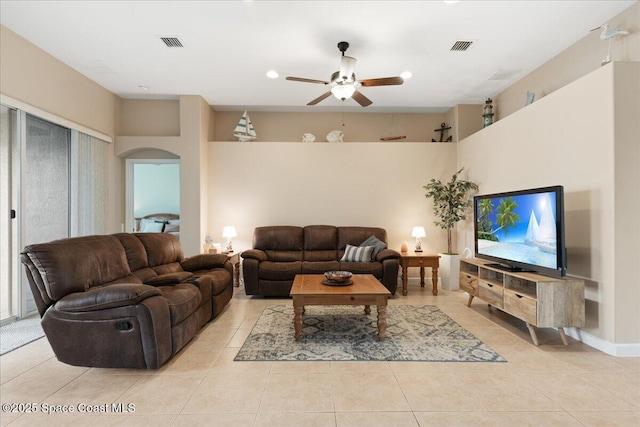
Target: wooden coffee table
{"x":366,"y":290}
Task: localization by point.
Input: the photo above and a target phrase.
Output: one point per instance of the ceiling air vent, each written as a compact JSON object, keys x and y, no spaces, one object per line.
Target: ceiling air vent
{"x":171,"y":41}
{"x":502,"y":74}
{"x":461,"y":45}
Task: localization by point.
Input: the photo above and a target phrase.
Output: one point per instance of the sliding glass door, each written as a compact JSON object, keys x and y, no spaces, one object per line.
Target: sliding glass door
{"x":9,"y":291}
{"x":52,"y":186}
{"x":44,"y":188}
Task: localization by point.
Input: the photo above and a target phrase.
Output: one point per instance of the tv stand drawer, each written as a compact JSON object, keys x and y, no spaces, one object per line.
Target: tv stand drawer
{"x":469,"y":283}
{"x":491,"y":293}
{"x":521,"y":306}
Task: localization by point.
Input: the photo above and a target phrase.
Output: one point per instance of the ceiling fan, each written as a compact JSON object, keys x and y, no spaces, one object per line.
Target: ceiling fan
{"x":344,"y":84}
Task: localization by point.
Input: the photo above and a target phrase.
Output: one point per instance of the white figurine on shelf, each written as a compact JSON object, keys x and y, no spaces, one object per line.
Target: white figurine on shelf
{"x":335,"y":136}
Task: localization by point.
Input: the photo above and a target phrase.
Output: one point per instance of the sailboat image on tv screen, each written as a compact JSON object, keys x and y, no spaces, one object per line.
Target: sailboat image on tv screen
{"x":532,"y":230}
{"x":244,"y":130}
{"x":546,"y":237}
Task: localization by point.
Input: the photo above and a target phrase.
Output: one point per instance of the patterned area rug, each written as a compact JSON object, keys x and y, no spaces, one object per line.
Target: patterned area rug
{"x":17,"y":334}
{"x":414,"y":333}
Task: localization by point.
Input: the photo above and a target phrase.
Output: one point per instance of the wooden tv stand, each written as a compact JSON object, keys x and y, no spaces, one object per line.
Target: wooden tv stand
{"x":542,"y":301}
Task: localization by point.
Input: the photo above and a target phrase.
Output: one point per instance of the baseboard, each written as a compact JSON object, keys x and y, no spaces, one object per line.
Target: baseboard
{"x":416,"y":281}
{"x":618,"y":350}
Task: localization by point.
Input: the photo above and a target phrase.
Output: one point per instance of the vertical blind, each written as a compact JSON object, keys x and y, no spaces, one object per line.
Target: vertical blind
{"x":89,"y":184}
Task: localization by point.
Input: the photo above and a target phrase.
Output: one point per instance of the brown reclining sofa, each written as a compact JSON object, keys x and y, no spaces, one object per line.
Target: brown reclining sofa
{"x":281,"y":252}
{"x":124,"y":300}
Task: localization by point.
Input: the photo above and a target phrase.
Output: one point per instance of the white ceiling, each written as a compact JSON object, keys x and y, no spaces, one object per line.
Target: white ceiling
{"x":230,"y":45}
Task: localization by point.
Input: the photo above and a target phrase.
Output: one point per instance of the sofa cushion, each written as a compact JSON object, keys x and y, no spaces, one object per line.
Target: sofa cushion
{"x":320,"y":256}
{"x":77,"y":264}
{"x":356,"y":235}
{"x":320,"y":243}
{"x":377,"y":244}
{"x":136,"y":253}
{"x":184,"y":299}
{"x":319,"y":267}
{"x":145,"y":274}
{"x":162,"y":248}
{"x":279,"y":238}
{"x":374,"y":268}
{"x":218,"y":279}
{"x":357,"y":254}
{"x":279,"y":270}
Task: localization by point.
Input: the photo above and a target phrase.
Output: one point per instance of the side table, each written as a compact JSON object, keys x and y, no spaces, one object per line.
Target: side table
{"x":234,"y":258}
{"x":419,"y":259}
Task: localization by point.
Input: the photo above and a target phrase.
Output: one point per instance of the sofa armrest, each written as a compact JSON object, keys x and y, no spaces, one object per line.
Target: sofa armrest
{"x":255,"y":254}
{"x":204,"y":262}
{"x":105,"y":297}
{"x":169,"y":278}
{"x":388,"y":254}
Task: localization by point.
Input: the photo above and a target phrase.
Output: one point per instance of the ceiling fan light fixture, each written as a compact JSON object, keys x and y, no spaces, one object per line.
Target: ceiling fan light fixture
{"x":273,"y":74}
{"x":343,"y":91}
{"x":406,"y":75}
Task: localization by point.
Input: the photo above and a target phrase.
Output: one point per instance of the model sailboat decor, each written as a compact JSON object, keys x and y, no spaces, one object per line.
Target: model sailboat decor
{"x":244,"y":130}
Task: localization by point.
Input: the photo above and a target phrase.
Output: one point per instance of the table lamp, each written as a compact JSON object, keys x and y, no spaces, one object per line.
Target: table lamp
{"x":229,"y":231}
{"x":418,"y":232}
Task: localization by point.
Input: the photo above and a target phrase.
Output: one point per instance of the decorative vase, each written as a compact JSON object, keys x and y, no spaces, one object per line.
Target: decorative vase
{"x":450,"y":271}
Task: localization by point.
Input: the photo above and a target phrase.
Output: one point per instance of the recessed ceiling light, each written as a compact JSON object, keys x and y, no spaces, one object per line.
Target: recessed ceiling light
{"x":406,"y":75}
{"x":273,"y":74}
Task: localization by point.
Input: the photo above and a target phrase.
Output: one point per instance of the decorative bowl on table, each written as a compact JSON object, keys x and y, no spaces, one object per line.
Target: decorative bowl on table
{"x":338,"y":278}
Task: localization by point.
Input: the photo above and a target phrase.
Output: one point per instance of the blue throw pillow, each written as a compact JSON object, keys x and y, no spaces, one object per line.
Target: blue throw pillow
{"x":357,"y":254}
{"x":377,"y":244}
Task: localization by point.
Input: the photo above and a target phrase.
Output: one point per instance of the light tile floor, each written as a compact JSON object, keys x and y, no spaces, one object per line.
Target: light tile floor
{"x":550,"y":385}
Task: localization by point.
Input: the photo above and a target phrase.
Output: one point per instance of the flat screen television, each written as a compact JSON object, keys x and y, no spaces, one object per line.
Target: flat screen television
{"x":522,"y":230}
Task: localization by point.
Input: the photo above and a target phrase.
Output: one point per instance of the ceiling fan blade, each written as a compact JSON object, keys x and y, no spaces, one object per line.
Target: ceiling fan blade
{"x":361,"y":99}
{"x":320,"y":98}
{"x":347,"y":64}
{"x":384,"y":81}
{"x":301,"y":79}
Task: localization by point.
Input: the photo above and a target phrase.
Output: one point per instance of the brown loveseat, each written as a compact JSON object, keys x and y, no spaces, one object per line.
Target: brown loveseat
{"x":124,"y":300}
{"x":281,"y":252}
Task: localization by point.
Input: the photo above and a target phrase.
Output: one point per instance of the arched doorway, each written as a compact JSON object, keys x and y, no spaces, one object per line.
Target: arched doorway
{"x":152,"y":188}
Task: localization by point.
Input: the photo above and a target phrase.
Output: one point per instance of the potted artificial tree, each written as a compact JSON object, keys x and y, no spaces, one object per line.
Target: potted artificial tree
{"x":450,"y":203}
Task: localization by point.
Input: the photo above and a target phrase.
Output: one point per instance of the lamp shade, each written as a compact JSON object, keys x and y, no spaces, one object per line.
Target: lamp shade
{"x":343,"y":91}
{"x":418,"y":232}
{"x":229,"y":231}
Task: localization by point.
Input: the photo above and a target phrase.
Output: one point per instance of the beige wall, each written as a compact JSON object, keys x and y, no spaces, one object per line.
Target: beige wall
{"x":464,"y":119}
{"x":358,"y":127}
{"x":143,"y":117}
{"x":583,"y":152}
{"x":627,"y":199}
{"x":367,"y":184}
{"x":574,"y":62}
{"x":190,"y":146}
{"x":29,"y":74}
